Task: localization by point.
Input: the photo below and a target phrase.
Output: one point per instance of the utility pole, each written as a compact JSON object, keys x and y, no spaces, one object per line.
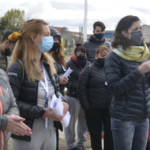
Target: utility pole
{"x":85,"y":21}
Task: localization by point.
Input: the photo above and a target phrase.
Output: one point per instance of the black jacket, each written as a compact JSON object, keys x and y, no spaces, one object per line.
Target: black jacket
{"x":60,"y":71}
{"x":92,"y":44}
{"x":73,"y":79}
{"x":130,"y":89}
{"x":26,"y":94}
{"x":92,"y":89}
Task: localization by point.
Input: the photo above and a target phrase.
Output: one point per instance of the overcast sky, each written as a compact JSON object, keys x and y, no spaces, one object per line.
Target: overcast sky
{"x":70,"y":13}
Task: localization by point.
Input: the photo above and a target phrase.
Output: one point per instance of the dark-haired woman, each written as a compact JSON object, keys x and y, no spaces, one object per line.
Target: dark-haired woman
{"x":76,"y":63}
{"x":95,"y":100}
{"x":59,"y":58}
{"x":59,"y":63}
{"x":127,"y":73}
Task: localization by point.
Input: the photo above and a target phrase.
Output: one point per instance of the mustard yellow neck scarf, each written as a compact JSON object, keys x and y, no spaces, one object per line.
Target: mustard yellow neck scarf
{"x":135,"y":53}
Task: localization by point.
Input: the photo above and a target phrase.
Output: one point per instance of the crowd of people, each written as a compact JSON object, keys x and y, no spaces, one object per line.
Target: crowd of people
{"x":109,"y":87}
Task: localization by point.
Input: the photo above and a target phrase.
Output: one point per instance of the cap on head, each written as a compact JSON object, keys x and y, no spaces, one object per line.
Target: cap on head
{"x":7,"y":33}
{"x":54,"y":32}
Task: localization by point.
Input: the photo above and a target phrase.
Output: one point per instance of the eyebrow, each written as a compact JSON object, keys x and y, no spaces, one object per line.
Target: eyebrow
{"x":136,"y":28}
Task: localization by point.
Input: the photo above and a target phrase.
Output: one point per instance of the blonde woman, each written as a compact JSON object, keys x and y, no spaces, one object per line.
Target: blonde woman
{"x":33,"y":80}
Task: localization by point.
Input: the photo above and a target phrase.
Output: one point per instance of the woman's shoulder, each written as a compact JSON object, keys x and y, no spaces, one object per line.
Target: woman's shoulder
{"x":70,"y":63}
{"x":112,"y":57}
{"x":87,"y":68}
{"x":3,"y":74}
{"x":16,"y":66}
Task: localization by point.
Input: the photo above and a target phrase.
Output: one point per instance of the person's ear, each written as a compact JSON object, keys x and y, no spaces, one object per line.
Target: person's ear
{"x":93,"y":32}
{"x":6,"y":42}
{"x":33,"y":38}
{"x":124,"y":33}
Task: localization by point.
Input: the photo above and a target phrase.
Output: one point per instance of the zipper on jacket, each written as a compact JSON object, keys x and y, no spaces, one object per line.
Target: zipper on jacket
{"x":125,"y":108}
{"x":143,"y":95}
{"x":1,"y":132}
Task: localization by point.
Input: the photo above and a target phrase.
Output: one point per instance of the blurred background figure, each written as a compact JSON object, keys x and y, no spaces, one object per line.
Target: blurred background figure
{"x":6,"y":48}
{"x":56,"y":53}
{"x":95,"y":100}
{"x":77,"y":62}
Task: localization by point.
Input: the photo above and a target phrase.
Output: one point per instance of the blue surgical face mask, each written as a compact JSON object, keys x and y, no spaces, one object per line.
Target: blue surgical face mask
{"x":47,"y":44}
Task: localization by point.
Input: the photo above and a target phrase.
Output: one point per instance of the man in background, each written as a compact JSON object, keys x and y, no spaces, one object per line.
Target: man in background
{"x":6,"y":48}
{"x":95,"y":40}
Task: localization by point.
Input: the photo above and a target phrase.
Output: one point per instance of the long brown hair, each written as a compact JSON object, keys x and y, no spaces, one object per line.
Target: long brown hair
{"x":27,"y":49}
{"x":59,"y":57}
{"x":124,"y":24}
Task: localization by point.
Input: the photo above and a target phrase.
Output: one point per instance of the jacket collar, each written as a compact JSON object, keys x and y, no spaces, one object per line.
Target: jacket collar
{"x":93,"y":39}
{"x":97,"y":65}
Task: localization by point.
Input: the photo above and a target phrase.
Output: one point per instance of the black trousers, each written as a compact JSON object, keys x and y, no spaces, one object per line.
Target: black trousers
{"x":94,"y":123}
{"x":57,"y":139}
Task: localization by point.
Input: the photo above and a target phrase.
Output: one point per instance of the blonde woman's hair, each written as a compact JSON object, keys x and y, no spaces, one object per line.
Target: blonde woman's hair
{"x":27,"y":50}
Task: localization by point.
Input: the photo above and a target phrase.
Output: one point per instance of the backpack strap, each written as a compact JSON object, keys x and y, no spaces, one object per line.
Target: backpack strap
{"x":22,"y":69}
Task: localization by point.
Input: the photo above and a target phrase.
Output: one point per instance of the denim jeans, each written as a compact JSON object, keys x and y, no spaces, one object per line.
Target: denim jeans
{"x":130,"y":135}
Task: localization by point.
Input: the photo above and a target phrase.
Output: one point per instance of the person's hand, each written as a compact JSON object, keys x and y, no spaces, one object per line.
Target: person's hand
{"x":66,"y":107}
{"x":16,"y":126}
{"x":63,"y":80}
{"x":50,"y":114}
{"x":143,"y":68}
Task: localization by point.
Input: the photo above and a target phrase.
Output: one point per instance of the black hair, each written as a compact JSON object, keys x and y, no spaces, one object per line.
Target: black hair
{"x":124,"y":24}
{"x":100,"y":24}
{"x":81,"y":48}
{"x":148,"y":44}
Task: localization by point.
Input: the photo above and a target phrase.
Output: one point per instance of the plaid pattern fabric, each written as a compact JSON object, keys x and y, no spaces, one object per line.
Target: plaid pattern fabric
{"x":55,"y":79}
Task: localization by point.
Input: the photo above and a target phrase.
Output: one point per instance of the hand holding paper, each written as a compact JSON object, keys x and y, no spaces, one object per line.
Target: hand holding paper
{"x":57,"y":106}
{"x":68,"y":72}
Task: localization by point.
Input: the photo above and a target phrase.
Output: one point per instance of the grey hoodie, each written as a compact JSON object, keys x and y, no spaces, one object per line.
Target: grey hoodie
{"x":8,"y":106}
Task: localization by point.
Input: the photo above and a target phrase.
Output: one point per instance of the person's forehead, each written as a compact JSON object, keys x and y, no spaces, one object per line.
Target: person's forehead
{"x":98,"y":28}
{"x":136,"y":24}
{"x":104,"y":52}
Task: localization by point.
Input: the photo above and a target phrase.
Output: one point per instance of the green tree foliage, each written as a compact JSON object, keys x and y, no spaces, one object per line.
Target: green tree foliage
{"x":12,"y":20}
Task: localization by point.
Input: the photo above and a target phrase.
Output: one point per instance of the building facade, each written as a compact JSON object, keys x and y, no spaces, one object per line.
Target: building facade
{"x":146,"y":32}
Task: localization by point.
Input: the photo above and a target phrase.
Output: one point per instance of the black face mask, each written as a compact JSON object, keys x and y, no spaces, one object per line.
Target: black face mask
{"x":99,"y":36}
{"x":101,"y":61}
{"x":56,"y":47}
{"x":82,"y":60}
{"x":7,"y":52}
{"x":137,"y":37}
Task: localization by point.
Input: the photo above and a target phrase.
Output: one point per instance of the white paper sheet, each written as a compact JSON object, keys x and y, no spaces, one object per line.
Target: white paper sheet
{"x":57,"y":106}
{"x":68,"y":72}
{"x":66,"y":120}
